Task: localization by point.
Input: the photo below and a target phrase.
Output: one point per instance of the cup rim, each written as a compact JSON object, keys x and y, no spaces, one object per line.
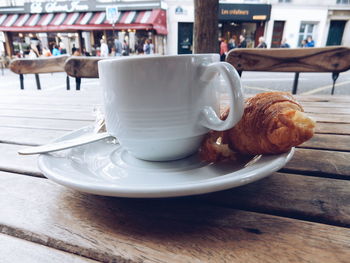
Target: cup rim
{"x":155,"y":56}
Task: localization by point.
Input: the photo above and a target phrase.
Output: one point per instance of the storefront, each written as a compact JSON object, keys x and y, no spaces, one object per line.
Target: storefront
{"x":234,"y":20}
{"x":82,"y":24}
{"x":243,"y":19}
{"x":294,"y":23}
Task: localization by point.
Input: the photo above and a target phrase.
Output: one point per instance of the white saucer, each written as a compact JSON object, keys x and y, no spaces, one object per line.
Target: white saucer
{"x":104,"y":168}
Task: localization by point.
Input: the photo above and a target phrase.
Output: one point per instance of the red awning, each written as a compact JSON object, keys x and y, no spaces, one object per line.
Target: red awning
{"x":62,"y":22}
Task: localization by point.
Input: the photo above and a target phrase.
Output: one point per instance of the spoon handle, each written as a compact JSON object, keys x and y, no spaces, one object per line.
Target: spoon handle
{"x":56,"y":146}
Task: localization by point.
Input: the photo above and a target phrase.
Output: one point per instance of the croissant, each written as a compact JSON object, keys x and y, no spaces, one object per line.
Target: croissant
{"x":272,"y":123}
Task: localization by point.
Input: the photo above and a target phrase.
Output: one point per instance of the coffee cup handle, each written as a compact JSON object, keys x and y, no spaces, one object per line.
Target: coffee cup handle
{"x":209,"y":118}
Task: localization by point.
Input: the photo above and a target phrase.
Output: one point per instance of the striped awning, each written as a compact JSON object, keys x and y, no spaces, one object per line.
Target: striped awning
{"x":62,"y":22}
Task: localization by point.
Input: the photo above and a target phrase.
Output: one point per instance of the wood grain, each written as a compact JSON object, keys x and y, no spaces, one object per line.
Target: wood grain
{"x":333,"y":128}
{"x":82,"y":67}
{"x":29,"y":136}
{"x":327,"y":59}
{"x":323,"y":98}
{"x":68,"y":114}
{"x":303,"y":197}
{"x":18,"y":250}
{"x":329,"y":110}
{"x":165,"y":230}
{"x":39,"y":123}
{"x":330,"y":118}
{"x":38,"y":65}
{"x":11,"y":161}
{"x":333,"y":142}
{"x":320,"y":163}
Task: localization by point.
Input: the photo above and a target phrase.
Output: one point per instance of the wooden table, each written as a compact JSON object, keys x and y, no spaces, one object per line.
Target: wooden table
{"x":299,"y":214}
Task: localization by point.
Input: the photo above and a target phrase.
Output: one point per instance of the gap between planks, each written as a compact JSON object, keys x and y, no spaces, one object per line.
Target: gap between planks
{"x":163,"y":230}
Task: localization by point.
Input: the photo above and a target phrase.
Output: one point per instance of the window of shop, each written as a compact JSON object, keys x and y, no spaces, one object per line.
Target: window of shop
{"x":307,"y":29}
{"x":343,"y":2}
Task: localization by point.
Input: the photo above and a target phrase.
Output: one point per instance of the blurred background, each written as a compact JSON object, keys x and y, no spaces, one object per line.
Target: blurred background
{"x":113,"y":28}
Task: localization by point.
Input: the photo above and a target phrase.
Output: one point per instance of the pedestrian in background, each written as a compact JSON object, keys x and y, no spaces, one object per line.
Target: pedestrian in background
{"x":223,"y":49}
{"x":232,"y":43}
{"x":303,"y":43}
{"x":73,"y":48}
{"x":151,"y":46}
{"x":310,"y":42}
{"x":118,"y":47}
{"x":62,"y":48}
{"x":262,"y":43}
{"x":126,"y":50}
{"x":86,"y":53}
{"x":56,"y":51}
{"x":284,"y":44}
{"x":147,"y":47}
{"x":242,"y":42}
{"x":104,"y":51}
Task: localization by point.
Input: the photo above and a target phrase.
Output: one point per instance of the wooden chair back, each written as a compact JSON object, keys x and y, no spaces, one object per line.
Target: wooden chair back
{"x":327,"y":59}
{"x":82,"y":67}
{"x":38,"y":66}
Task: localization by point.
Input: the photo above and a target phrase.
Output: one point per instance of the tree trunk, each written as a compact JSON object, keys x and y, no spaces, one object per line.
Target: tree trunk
{"x":206,"y":26}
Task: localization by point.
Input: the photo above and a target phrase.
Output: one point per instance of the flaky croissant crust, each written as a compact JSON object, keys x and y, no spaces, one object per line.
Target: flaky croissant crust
{"x":272,"y":123}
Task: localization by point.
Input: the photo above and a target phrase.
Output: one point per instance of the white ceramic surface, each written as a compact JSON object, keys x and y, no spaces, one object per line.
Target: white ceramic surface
{"x":105,"y":168}
{"x":159,"y":107}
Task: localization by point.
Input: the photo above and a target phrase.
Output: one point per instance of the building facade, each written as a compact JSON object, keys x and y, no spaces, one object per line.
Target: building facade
{"x":326,"y":21}
{"x":235,"y":18}
{"x":169,"y":23}
{"x":81,"y":24}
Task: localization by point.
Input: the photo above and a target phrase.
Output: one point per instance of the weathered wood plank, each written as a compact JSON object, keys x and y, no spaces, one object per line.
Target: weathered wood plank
{"x":38,"y":65}
{"x":290,"y":195}
{"x":323,"y":98}
{"x":165,"y":230}
{"x":39,"y":108}
{"x":87,"y":115}
{"x":318,"y":162}
{"x":82,"y":67}
{"x":28,"y":136}
{"x":332,"y":105}
{"x":18,"y":250}
{"x":330,"y":118}
{"x":56,"y":124}
{"x":327,"y":59}
{"x":329,"y":110}
{"x":12,"y":162}
{"x":334,"y":128}
{"x":328,"y":142}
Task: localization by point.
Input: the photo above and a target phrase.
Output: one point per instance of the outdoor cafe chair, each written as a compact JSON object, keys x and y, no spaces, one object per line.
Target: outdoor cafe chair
{"x":38,"y":66}
{"x":327,"y":59}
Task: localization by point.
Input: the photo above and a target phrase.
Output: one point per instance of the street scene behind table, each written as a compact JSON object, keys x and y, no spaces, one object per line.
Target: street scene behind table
{"x":174,"y":131}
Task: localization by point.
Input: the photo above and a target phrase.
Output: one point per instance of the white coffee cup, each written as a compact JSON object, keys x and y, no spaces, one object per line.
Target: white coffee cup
{"x":160,"y":107}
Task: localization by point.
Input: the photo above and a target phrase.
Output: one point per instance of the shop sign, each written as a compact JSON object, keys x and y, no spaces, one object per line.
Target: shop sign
{"x":53,"y":7}
{"x":244,"y":12}
{"x":180,"y":11}
{"x":112,"y":14}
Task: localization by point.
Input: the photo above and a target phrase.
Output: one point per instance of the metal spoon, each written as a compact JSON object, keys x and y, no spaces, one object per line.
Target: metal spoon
{"x":57,"y":146}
